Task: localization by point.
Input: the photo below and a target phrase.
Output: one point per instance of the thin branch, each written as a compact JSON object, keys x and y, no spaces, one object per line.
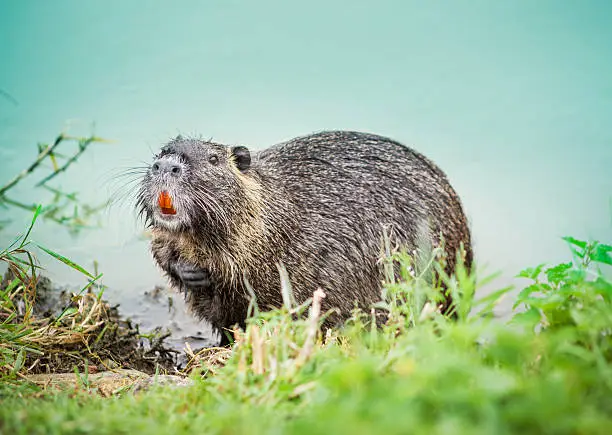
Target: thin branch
{"x":41,"y":156}
{"x":9,"y":97}
{"x":47,"y":213}
{"x":83,"y":144}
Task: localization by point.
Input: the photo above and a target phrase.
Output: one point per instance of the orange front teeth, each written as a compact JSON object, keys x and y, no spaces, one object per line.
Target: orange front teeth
{"x":165,"y":203}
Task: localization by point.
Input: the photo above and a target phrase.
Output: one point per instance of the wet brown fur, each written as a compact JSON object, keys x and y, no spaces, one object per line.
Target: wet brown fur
{"x":317,"y":204}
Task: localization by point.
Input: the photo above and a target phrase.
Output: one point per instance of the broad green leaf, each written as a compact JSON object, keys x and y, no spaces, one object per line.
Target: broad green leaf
{"x":580,"y":243}
{"x":602,"y":254}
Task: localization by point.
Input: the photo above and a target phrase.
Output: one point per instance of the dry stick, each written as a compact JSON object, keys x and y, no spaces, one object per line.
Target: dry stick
{"x":43,"y":154}
{"x":317,"y":297}
{"x":257,"y":343}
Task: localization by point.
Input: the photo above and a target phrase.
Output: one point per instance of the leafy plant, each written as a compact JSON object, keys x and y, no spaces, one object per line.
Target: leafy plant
{"x":560,"y":296}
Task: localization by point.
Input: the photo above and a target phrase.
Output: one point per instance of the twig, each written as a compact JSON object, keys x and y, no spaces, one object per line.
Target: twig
{"x":83,"y":144}
{"x":41,"y":156}
{"x":317,"y":297}
{"x":257,"y":344}
{"x":48,"y":213}
{"x":72,"y":197}
{"x":9,"y":97}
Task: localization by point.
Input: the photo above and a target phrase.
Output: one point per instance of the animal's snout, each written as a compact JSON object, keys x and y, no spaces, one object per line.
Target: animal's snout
{"x":165,"y":166}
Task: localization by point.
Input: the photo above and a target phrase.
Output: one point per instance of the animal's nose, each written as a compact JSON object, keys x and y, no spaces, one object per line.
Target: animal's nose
{"x":164,"y":166}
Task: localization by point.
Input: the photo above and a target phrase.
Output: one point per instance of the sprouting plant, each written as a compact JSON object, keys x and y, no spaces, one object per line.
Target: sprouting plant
{"x":65,"y":208}
{"x":558,"y":294}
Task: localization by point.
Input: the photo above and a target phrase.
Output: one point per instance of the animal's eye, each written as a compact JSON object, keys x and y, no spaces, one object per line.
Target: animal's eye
{"x":213,"y":159}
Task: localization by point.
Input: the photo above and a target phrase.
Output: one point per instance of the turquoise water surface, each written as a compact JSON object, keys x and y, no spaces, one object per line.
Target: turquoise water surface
{"x":512,"y":99}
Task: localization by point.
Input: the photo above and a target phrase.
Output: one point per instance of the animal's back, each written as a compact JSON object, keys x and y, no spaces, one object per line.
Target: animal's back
{"x":346,"y":186}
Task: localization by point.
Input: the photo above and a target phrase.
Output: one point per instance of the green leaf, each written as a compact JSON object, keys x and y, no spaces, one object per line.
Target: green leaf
{"x":491,"y":300}
{"x":558,"y":273}
{"x":27,"y":234}
{"x":602,"y":254}
{"x":578,"y":247}
{"x":529,"y":318}
{"x":531,"y":272}
{"x":11,"y":286}
{"x":67,"y":312}
{"x":525,"y":294}
{"x":580,"y":243}
{"x":19,"y":361}
{"x":10,"y":246}
{"x":603,"y":288}
{"x":66,"y":261}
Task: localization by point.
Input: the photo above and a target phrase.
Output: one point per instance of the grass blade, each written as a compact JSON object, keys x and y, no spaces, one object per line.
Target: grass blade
{"x":27,"y":234}
{"x":66,"y":261}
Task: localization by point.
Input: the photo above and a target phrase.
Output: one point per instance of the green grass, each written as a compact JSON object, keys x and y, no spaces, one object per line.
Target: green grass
{"x":548,"y":370}
{"x":42,"y":330}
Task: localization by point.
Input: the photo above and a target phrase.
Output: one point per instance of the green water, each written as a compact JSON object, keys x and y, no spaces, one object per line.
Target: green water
{"x":512,"y":99}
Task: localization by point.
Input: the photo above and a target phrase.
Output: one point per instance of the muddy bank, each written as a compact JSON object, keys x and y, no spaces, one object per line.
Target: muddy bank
{"x":161,"y":307}
{"x":67,"y":330}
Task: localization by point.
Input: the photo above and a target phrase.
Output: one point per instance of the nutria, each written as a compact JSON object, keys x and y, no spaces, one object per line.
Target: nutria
{"x":315,"y":204}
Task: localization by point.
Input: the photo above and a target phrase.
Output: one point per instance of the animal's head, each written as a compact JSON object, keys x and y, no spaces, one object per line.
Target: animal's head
{"x":194,"y":186}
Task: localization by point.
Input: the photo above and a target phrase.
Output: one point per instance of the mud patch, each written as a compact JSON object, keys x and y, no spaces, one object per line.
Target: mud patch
{"x":66,"y":331}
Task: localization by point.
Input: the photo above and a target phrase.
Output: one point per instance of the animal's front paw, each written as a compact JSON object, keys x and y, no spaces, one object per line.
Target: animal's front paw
{"x":192,"y":276}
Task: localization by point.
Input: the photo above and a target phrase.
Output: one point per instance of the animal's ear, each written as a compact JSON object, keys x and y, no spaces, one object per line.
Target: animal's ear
{"x":242,"y":157}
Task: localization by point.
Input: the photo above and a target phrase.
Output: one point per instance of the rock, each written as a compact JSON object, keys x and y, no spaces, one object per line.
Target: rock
{"x":164,"y":380}
{"x":107,"y":383}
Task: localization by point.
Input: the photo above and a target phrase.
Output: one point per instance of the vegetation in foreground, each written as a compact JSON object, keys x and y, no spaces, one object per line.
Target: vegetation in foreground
{"x":547,"y":370}
{"x":44,"y":329}
{"x":49,"y":330}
